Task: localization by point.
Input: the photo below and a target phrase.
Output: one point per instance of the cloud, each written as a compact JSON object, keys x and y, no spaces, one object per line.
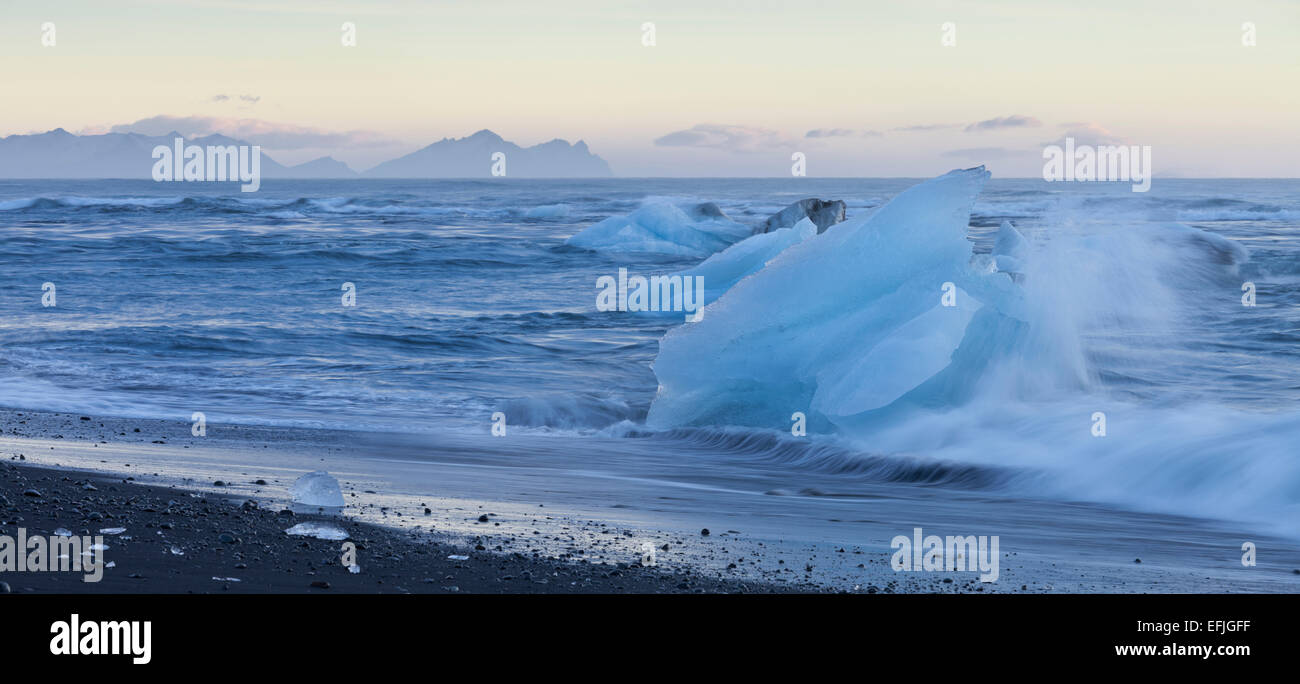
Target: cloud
{"x":924,"y":127}
{"x":250,"y":99}
{"x":840,"y":133}
{"x":1014,"y":121}
{"x":830,"y":133}
{"x":982,"y":153}
{"x":1088,"y":133}
{"x":256,"y":131}
{"x":724,"y":137}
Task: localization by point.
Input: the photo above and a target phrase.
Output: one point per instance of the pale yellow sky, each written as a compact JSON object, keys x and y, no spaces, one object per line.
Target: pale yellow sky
{"x":754,"y":75}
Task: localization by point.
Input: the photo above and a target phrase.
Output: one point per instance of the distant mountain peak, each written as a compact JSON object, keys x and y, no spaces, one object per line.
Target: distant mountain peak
{"x":322,"y":167}
{"x":466,"y":158}
{"x":60,"y":154}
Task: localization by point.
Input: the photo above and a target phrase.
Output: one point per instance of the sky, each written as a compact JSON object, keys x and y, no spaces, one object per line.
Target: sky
{"x":728,"y":87}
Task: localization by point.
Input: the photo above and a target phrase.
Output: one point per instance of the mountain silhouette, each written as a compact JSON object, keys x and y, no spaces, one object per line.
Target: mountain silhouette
{"x":60,"y":154}
{"x":472,"y":157}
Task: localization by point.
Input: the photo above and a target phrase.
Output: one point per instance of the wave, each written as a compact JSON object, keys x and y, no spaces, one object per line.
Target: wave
{"x":889,"y":332}
{"x":548,"y":211}
{"x":834,"y":458}
{"x":1237,"y":213}
{"x":568,"y":411}
{"x":300,"y":207}
{"x":661,"y":226}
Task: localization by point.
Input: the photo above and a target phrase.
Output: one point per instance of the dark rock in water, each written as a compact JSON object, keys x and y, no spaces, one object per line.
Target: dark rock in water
{"x":219,"y":483}
{"x":1137,"y":560}
{"x":320,"y":584}
{"x":225,"y":538}
{"x":260,"y":482}
{"x":482,"y":518}
{"x":708,"y":210}
{"x":31,"y":492}
{"x":824,"y":213}
{"x":5,"y":588}
{"x":704,"y":532}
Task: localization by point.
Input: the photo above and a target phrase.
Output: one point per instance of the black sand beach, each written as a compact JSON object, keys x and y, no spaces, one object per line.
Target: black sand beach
{"x":230,"y":544}
{"x":551,"y":521}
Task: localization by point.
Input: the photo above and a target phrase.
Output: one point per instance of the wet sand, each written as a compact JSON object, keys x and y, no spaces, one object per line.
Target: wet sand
{"x":178,"y":541}
{"x":533,"y":515}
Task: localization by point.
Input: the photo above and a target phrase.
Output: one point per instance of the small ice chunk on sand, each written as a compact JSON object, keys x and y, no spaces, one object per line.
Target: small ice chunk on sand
{"x":317,"y":490}
{"x":112,"y":530}
{"x":354,"y":569}
{"x":63,"y":532}
{"x":318,"y":530}
{"x":225,"y":579}
{"x":456,"y":557}
{"x":176,"y":551}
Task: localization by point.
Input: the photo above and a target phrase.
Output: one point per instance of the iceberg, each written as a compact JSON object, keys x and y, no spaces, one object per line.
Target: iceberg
{"x":317,"y":530}
{"x":1009,"y":249}
{"x":317,"y":492}
{"x":824,"y":213}
{"x":661,"y":227}
{"x":728,"y":267}
{"x":884,"y":308}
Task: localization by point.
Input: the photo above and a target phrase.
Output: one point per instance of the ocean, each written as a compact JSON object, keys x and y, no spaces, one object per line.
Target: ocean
{"x":172,"y":299}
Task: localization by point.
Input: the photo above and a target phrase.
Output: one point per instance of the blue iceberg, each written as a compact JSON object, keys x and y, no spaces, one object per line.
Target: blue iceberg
{"x":884,"y":310}
{"x":661,"y":227}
